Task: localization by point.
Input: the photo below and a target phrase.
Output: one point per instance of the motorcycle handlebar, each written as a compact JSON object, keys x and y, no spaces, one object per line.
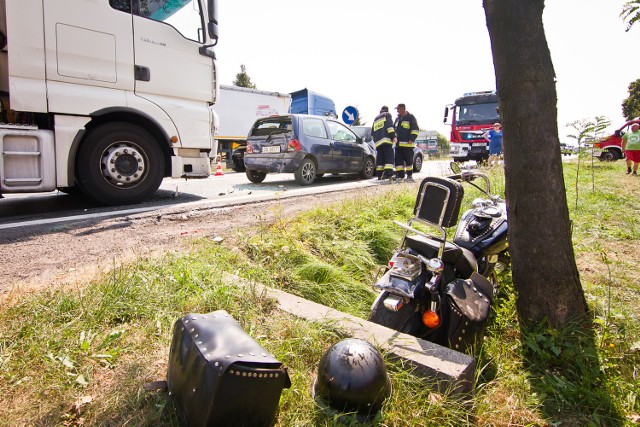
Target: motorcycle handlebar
{"x":469,"y":176}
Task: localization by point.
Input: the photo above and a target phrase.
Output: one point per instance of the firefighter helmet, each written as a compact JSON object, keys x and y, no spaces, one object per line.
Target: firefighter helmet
{"x":352,"y":377}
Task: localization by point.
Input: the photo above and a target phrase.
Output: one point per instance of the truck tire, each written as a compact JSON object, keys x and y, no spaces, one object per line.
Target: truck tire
{"x":306,"y":172}
{"x":405,"y":320}
{"x":238,"y":165}
{"x":368,"y":168}
{"x":609,"y":156}
{"x":255,"y":176}
{"x":119,"y":163}
{"x":238,"y":161}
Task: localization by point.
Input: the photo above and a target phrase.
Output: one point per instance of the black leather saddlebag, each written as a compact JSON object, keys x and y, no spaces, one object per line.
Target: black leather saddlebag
{"x":219,"y":376}
{"x":468,"y":302}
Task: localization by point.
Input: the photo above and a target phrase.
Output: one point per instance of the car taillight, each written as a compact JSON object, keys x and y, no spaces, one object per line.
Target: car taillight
{"x":249,"y":149}
{"x":294,"y":145}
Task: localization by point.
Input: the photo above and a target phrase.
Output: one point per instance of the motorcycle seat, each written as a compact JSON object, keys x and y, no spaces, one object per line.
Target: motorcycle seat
{"x":463,"y":259}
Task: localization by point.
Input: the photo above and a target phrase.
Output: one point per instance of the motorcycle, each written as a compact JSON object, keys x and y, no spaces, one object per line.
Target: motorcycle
{"x":442,"y":290}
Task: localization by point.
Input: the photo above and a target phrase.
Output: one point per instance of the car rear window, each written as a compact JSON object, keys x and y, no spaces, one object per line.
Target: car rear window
{"x":314,"y":127}
{"x":270,"y":126}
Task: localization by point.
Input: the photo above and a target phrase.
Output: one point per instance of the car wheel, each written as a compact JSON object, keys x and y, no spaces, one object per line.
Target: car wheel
{"x":255,"y":176}
{"x":417,"y":163}
{"x":368,"y":168}
{"x":119,"y":163}
{"x":306,"y":172}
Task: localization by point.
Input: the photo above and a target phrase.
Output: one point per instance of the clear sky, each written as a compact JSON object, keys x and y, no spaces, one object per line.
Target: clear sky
{"x":424,"y":53}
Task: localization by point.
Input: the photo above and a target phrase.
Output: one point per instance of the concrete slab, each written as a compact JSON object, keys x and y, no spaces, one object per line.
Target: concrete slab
{"x":449,"y":369}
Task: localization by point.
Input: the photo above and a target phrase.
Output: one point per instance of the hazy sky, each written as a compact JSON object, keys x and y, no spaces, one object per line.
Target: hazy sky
{"x":424,"y":53}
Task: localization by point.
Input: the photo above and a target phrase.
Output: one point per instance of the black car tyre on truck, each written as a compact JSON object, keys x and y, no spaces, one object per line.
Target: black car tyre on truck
{"x":609,"y":156}
{"x":237,"y":157}
{"x":255,"y":176}
{"x":119,"y":163}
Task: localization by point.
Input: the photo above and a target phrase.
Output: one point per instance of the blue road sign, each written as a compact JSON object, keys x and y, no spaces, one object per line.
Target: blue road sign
{"x":349,"y":115}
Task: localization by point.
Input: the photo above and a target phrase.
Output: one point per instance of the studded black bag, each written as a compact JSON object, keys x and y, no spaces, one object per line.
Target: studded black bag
{"x":220,"y":376}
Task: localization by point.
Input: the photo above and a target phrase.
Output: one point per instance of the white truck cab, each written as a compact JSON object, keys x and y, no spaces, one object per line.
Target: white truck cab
{"x":106,"y":95}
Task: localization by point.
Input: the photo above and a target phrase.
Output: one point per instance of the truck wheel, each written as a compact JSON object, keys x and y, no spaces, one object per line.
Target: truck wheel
{"x":417,"y":163}
{"x":306,"y":172}
{"x":255,"y":176}
{"x":238,"y":160}
{"x":238,"y":165}
{"x":368,"y":168}
{"x":608,"y":156}
{"x":119,"y":163}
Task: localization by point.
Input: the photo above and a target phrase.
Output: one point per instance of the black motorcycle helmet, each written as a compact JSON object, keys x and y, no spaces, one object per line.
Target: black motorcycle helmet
{"x":352,"y":377}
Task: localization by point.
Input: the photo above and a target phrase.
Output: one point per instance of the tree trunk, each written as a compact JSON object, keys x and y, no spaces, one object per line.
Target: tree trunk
{"x":543,"y":264}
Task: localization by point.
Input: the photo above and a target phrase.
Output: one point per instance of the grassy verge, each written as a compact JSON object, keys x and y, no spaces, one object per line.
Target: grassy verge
{"x":81,"y":357}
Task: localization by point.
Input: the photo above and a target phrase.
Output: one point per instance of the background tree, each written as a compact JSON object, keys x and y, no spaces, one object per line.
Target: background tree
{"x":443,"y":143}
{"x":359,"y":121}
{"x":243,"y":79}
{"x":580,"y":130}
{"x":630,"y":13}
{"x":631,"y":105}
{"x":543,"y":263}
{"x":583,"y":131}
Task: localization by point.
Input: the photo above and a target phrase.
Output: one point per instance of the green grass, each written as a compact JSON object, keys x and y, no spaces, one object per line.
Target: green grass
{"x":83,"y":354}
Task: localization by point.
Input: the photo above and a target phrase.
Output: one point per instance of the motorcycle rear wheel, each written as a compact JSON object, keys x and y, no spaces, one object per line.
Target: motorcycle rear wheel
{"x":405,"y":320}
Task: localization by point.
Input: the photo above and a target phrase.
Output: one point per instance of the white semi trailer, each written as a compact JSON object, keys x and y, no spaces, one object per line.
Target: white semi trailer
{"x":238,"y":108}
{"x":109,"y":96}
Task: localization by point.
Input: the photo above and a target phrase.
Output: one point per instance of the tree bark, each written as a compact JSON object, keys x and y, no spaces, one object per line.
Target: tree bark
{"x":543,"y":264}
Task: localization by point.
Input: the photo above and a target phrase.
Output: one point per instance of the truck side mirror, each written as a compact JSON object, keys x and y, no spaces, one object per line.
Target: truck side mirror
{"x":446,"y":114}
{"x":212,"y":27}
{"x":618,"y":133}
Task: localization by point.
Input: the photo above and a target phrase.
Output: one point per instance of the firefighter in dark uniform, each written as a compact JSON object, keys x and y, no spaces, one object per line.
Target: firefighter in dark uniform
{"x":384,"y":137}
{"x":406,"y":127}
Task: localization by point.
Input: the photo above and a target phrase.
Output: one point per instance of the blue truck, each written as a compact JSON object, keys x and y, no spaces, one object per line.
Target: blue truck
{"x":305,"y":101}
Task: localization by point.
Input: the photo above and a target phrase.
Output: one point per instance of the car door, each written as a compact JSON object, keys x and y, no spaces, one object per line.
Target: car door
{"x":347,"y":151}
{"x":315,"y":140}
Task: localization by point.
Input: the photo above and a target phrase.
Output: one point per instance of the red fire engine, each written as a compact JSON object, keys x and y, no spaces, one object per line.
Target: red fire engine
{"x":610,"y":147}
{"x":471,"y":116}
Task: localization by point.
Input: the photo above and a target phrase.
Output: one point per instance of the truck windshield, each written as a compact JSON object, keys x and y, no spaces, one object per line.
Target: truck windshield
{"x":184,"y":15}
{"x":477,"y":113}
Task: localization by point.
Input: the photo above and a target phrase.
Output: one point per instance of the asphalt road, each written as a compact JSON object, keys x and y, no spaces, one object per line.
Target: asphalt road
{"x":22,"y":210}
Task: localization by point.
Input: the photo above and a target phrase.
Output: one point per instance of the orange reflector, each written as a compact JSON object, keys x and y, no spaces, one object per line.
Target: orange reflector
{"x":174,"y":139}
{"x":431,"y":319}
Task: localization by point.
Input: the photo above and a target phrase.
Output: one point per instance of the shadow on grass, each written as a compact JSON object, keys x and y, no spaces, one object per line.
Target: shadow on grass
{"x":124,"y":403}
{"x":565,"y":372}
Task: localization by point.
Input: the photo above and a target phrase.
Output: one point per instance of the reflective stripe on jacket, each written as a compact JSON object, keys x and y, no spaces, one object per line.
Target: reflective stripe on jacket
{"x":407,"y":130}
{"x":382,"y":130}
